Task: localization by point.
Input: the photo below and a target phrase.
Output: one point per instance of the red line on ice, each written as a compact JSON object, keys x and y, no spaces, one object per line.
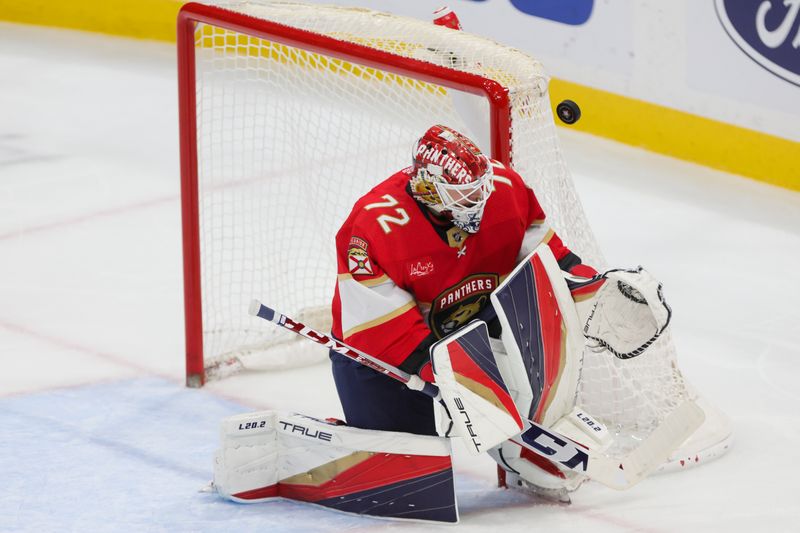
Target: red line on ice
{"x":71,"y":345}
{"x":56,"y":224}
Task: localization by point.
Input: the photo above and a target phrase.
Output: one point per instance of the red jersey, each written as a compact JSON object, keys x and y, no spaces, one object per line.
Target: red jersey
{"x":403,"y":273}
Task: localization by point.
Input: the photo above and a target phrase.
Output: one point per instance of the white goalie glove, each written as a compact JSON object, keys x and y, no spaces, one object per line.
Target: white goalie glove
{"x":629,"y":313}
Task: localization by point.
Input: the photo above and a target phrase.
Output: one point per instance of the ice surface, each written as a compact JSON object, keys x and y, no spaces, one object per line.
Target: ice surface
{"x":99,"y":434}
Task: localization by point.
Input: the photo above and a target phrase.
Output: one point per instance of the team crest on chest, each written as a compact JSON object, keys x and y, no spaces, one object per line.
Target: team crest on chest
{"x":457,"y":305}
{"x":357,"y":258}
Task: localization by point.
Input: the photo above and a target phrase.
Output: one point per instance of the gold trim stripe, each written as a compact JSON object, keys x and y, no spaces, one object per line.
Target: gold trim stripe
{"x":481,"y":390}
{"x":367,"y":282}
{"x":380,"y":320}
{"x":503,"y":180}
{"x":323,"y":473}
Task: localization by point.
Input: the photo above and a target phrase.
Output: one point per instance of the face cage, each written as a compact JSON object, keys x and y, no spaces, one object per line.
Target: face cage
{"x":465,"y":202}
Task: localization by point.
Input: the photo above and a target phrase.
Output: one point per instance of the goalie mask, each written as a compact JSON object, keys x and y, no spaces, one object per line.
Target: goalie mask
{"x":451,"y":177}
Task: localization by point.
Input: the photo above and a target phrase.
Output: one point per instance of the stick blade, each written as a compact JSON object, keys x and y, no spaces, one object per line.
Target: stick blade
{"x":654,"y":450}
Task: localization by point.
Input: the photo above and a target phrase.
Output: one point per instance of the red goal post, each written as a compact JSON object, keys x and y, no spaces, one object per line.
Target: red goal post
{"x":193,"y":13}
{"x":290,"y":112}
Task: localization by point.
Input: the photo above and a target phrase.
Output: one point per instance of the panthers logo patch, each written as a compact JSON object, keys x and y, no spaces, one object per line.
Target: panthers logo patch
{"x":459,"y":304}
{"x":357,"y":258}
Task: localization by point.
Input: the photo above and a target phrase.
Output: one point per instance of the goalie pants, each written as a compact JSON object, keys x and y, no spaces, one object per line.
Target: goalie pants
{"x":371,"y":400}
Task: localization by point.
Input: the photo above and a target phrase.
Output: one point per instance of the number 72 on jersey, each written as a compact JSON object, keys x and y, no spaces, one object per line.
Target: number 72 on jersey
{"x":385,"y":220}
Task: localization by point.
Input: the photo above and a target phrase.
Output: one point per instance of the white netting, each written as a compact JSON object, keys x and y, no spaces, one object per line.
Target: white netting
{"x":287,"y":141}
{"x":632,"y":396}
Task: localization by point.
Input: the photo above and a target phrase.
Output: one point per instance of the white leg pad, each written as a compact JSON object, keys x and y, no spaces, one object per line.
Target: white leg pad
{"x":248,"y":456}
{"x":261,"y":451}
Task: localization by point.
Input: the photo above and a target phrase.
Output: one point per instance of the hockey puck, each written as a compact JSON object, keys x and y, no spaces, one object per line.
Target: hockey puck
{"x":568,"y":111}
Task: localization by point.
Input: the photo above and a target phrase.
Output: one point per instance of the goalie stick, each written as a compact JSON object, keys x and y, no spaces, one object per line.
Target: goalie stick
{"x":617,"y":474}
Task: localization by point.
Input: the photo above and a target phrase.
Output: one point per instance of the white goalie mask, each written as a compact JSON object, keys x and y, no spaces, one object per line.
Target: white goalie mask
{"x":464,"y":202}
{"x":452,"y":177}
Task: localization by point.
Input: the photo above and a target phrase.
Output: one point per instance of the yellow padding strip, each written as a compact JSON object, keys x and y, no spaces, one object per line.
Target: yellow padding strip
{"x":245,"y":47}
{"x":675,"y":133}
{"x":144,"y":19}
{"x":690,"y":137}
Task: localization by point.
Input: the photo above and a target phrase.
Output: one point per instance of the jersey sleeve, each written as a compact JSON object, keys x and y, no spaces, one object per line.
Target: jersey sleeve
{"x":539,"y":231}
{"x":370,"y":310}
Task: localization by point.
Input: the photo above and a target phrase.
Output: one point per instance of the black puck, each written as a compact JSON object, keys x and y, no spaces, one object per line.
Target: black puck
{"x":568,"y":111}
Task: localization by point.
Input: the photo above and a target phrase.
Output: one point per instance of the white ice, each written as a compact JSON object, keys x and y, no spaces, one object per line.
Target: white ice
{"x":99,"y":433}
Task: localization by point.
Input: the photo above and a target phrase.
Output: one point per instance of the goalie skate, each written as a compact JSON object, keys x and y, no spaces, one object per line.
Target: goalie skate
{"x":514,"y":481}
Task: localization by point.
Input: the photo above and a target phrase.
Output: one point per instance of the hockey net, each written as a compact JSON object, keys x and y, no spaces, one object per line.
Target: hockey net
{"x":291,"y":112}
